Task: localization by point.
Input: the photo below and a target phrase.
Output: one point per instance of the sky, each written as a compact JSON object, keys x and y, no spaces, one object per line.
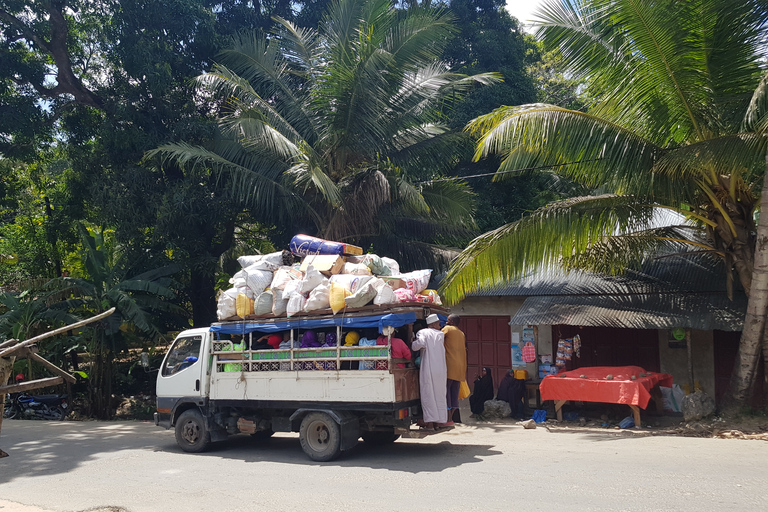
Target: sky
{"x":522,"y":9}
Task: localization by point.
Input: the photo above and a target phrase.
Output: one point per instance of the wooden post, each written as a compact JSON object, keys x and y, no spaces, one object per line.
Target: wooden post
{"x":690,"y":360}
{"x":6,"y":368}
{"x":559,"y":409}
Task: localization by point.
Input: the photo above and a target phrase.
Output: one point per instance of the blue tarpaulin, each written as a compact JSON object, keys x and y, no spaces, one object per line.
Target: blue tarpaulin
{"x":305,"y":323}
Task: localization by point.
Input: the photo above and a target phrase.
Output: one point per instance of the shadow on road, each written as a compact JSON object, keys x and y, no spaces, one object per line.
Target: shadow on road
{"x":51,"y":447}
{"x":39,"y":448}
{"x":411,"y":456}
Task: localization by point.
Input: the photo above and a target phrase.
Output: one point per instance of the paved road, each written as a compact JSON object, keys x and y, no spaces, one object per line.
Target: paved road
{"x":133,"y":466}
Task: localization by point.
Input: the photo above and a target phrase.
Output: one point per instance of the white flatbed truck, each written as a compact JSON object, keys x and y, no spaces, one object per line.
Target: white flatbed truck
{"x":212,"y":384}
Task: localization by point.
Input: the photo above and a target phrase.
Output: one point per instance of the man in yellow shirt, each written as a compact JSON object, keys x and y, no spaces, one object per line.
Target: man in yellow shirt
{"x":455,"y":362}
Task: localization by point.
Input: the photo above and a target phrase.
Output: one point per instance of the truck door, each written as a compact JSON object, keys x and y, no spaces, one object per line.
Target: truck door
{"x":181,"y":374}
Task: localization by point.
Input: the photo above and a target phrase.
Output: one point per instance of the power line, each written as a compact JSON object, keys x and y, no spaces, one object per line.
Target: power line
{"x":551,"y":166}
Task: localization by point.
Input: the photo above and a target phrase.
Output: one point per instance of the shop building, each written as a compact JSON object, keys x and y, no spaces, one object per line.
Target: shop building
{"x":672,"y":316}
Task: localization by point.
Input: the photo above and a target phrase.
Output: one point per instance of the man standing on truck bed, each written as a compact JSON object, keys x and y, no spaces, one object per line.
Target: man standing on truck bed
{"x":432,"y":374}
{"x":455,"y":362}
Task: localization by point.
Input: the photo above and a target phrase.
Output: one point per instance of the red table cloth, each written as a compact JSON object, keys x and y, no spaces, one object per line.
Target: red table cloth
{"x":596,"y":387}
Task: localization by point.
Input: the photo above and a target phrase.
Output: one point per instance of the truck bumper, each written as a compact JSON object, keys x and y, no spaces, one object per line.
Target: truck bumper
{"x":163,"y":420}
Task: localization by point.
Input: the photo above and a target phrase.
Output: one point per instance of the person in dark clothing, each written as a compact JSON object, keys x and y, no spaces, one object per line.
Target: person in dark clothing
{"x":482,"y":391}
{"x":512,"y":390}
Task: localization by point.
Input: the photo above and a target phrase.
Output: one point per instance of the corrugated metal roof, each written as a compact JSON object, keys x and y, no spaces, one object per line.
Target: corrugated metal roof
{"x":638,"y":311}
{"x":692,"y":273}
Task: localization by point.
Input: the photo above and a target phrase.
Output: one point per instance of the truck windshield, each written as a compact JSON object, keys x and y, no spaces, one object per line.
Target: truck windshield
{"x":183,"y":354}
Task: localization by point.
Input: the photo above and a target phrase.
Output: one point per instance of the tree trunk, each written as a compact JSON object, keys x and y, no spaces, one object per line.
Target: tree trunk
{"x":202,"y":296}
{"x":100,"y":381}
{"x":753,"y":335}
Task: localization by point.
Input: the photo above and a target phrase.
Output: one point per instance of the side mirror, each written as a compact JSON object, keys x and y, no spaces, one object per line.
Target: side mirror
{"x":145,"y":360}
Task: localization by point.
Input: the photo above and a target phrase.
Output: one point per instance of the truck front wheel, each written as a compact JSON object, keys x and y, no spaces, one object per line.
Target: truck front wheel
{"x":320,"y":437}
{"x":191,"y":434}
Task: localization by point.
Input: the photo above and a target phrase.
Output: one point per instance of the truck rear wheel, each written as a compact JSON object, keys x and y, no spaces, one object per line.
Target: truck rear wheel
{"x":191,"y":434}
{"x":380,"y":437}
{"x":320,"y":437}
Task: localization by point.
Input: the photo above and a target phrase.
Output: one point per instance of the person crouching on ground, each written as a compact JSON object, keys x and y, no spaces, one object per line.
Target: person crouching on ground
{"x":432,"y":376}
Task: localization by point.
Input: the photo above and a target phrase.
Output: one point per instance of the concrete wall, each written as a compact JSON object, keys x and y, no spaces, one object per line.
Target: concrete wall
{"x":675,"y":360}
{"x":485,"y":306}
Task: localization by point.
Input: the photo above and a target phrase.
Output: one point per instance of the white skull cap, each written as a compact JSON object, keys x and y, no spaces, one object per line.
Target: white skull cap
{"x":432,"y":319}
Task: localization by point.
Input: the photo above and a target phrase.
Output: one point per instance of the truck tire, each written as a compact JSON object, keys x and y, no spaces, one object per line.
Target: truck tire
{"x":320,"y":437}
{"x":191,"y":434}
{"x":380,"y":437}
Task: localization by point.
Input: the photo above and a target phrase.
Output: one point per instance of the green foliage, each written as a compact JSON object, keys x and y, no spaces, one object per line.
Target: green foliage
{"x":331,"y":127}
{"x":489,"y":39}
{"x":673,"y":84}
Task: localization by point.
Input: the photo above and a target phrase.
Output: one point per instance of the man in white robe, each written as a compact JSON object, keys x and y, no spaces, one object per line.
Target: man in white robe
{"x":433,"y":373}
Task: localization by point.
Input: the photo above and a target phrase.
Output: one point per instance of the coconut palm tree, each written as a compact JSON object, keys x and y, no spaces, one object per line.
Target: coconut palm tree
{"x":333,"y":127}
{"x":109,"y":283}
{"x":677,"y":124}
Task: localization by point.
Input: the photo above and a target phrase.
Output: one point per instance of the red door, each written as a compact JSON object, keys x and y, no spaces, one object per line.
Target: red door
{"x":488,"y":344}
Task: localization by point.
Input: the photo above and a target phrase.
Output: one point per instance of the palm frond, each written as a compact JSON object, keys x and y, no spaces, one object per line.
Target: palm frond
{"x":756,"y":117}
{"x":598,"y":152}
{"x":254,"y":177}
{"x":614,"y":255}
{"x":451,"y":203}
{"x":542,"y":240}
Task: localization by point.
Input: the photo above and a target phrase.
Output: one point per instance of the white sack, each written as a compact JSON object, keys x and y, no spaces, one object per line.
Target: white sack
{"x":263,"y":304}
{"x":312,"y":279}
{"x":356,"y":269}
{"x":385,"y":295}
{"x":268,"y":261}
{"x":394,"y":266}
{"x":350,"y":282}
{"x":295,"y":304}
{"x":279,"y":302}
{"x":227,"y":304}
{"x":258,"y":280}
{"x":362,"y":296}
{"x":319,"y":298}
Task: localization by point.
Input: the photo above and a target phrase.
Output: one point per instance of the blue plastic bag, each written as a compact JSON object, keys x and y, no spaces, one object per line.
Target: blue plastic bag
{"x":539,"y":415}
{"x":627,"y":422}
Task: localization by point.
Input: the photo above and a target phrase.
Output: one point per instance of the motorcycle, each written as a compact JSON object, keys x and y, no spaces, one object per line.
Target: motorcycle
{"x":46,"y":407}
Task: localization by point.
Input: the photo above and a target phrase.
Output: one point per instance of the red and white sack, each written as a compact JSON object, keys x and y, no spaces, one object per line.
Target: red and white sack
{"x":416,"y":281}
{"x":405,"y":295}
